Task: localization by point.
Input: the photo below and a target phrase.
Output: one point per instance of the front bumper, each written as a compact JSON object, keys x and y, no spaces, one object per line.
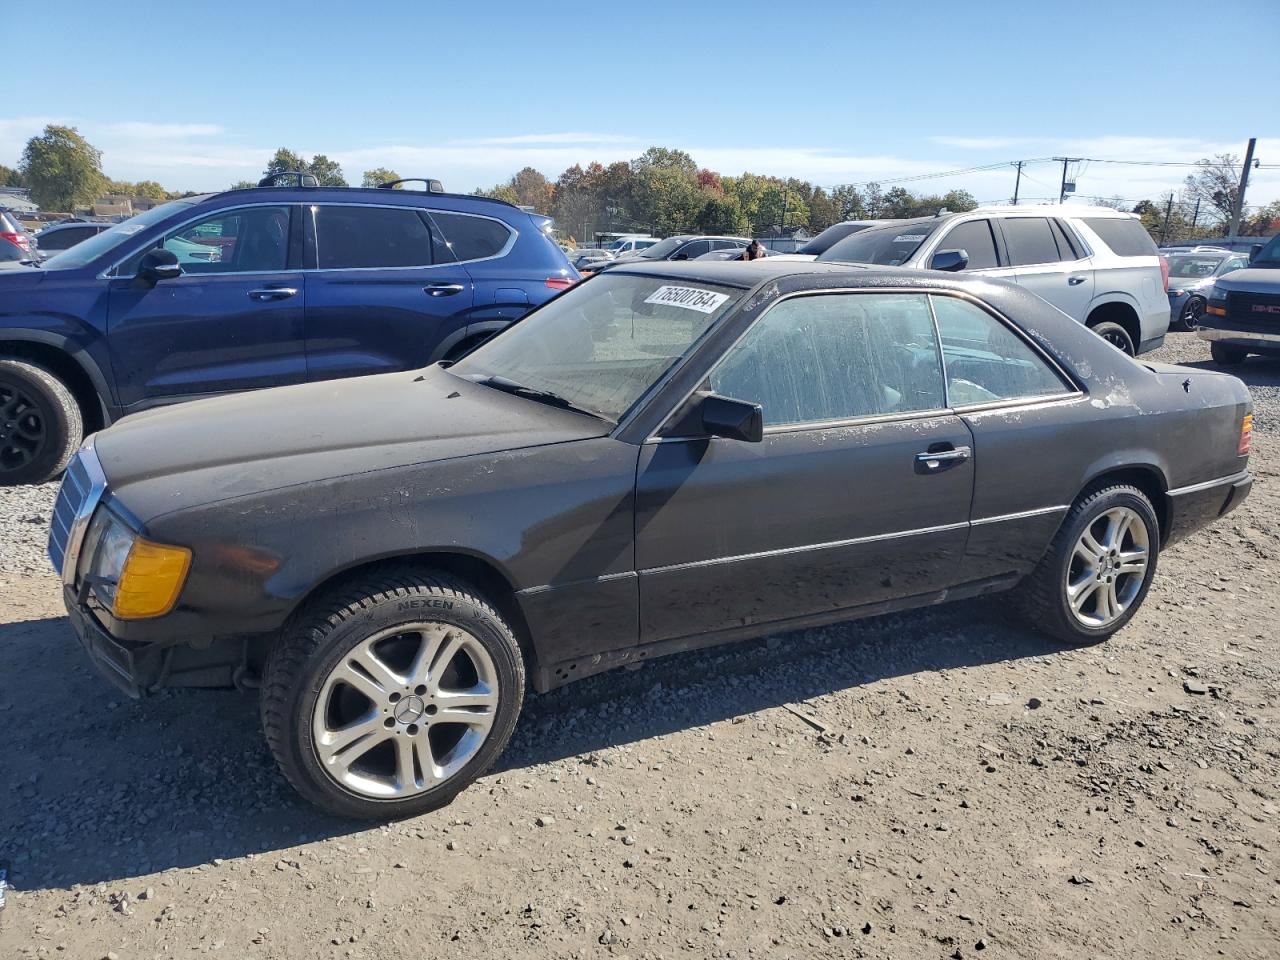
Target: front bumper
{"x":135,"y":669}
{"x":1199,"y":505}
{"x":1249,"y":339}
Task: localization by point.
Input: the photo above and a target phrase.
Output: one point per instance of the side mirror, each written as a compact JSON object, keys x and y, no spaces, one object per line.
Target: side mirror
{"x":949,"y":260}
{"x":158,"y":264}
{"x":1254,"y":251}
{"x":733,"y":419}
{"x":681,"y":256}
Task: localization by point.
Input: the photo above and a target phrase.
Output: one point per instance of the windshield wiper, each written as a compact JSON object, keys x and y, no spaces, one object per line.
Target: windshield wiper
{"x":532,"y":393}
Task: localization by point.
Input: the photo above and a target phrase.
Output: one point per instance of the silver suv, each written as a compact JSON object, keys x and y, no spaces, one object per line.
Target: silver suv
{"x":1097,"y":265}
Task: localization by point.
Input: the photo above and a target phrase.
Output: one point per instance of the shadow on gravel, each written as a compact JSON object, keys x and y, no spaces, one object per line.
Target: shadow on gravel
{"x":101,"y":788}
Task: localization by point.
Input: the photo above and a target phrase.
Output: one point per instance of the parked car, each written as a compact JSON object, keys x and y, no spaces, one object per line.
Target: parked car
{"x":1191,"y":274}
{"x":255,"y":288}
{"x":825,"y":240}
{"x":12,"y":257}
{"x":629,"y":245}
{"x":1095,"y":264}
{"x":13,"y":232}
{"x":735,"y":253}
{"x":665,"y":457}
{"x":676,"y":248}
{"x":586,"y":255}
{"x":65,"y":235}
{"x":1242,"y":310}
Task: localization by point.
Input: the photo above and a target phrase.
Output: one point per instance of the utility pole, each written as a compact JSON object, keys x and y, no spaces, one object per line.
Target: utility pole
{"x":1168,"y":210}
{"x":1017,"y":181}
{"x":1062,"y":192}
{"x":1195,"y":218}
{"x":1234,"y":227}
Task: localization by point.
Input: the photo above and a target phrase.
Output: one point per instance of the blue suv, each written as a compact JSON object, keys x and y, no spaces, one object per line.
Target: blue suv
{"x":251,"y":288}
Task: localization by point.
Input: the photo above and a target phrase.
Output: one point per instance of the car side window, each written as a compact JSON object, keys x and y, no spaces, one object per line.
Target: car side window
{"x":1235,"y":263}
{"x":1068,"y":245}
{"x":1030,"y":241}
{"x":986,"y":361}
{"x":240,"y":240}
{"x":471,"y":238}
{"x":975,"y":239}
{"x":351,"y":237}
{"x":693,"y":250}
{"x":836,"y":357}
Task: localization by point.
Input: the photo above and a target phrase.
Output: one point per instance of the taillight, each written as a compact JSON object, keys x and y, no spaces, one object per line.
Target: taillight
{"x":558,"y":283}
{"x":1246,"y":435}
{"x":1164,"y":273}
{"x":17,"y":238}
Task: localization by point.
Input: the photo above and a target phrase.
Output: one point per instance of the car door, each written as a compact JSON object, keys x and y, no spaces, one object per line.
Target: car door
{"x":506,"y":284}
{"x":384,"y":291}
{"x":1049,"y":263}
{"x":231,"y":321}
{"x":859,"y":492}
{"x":977,"y":239}
{"x":1029,"y":423}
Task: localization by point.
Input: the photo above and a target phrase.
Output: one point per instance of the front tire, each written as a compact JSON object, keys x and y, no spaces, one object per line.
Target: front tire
{"x":1117,"y":336}
{"x":1192,"y":314}
{"x":1225,"y":355}
{"x":40,"y":423}
{"x":1098,"y":568}
{"x":389,"y":696}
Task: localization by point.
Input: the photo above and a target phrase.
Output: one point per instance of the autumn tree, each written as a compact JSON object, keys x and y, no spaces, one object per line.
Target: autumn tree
{"x":62,"y":169}
{"x":1215,"y":184}
{"x":378,"y":176}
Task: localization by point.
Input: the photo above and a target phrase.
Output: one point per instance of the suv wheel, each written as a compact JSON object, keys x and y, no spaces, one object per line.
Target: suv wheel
{"x":1191,"y":315}
{"x":1226,"y":355}
{"x":40,"y":423}
{"x":392,"y":695}
{"x":1117,"y":336}
{"x":1098,"y":568}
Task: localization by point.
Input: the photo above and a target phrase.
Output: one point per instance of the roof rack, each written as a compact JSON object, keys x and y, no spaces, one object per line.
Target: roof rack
{"x":431,"y":185}
{"x":303,"y":179}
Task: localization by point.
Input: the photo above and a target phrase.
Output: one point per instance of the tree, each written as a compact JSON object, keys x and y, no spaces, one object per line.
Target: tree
{"x":150,"y":189}
{"x":822,"y":211}
{"x":1263,"y":223}
{"x":62,"y":169}
{"x":283,"y":161}
{"x":242,"y":185}
{"x":10,"y":177}
{"x":378,"y":175}
{"x":722,"y":215}
{"x":327,"y":172}
{"x":532,"y":189}
{"x":848,"y":203}
{"x":1215,"y":184}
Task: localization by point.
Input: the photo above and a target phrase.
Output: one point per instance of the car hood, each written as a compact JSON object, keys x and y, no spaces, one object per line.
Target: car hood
{"x":195,"y":453}
{"x":1253,"y":279}
{"x":19,"y":277}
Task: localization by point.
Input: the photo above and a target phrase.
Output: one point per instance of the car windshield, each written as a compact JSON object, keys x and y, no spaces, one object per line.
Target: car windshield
{"x":1269,"y":256}
{"x":888,"y":246}
{"x":829,"y":237}
{"x":600,"y":345}
{"x":96,"y":246}
{"x":663,"y":248}
{"x":1186,"y":267}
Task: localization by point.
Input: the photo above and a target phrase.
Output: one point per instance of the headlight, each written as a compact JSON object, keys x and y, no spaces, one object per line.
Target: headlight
{"x":133,"y":577}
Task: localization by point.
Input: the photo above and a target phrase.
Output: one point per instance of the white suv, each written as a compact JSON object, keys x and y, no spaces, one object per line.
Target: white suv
{"x":1095,"y":264}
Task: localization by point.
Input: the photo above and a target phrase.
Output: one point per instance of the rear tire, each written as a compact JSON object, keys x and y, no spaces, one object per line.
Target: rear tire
{"x":40,"y":423}
{"x":1086,"y":587}
{"x":1225,"y":355}
{"x":388,"y":696}
{"x":1116,"y":335}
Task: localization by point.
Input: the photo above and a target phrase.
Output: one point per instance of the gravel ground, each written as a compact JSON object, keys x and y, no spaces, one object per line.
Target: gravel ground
{"x":939,"y":784}
{"x":24,"y":527}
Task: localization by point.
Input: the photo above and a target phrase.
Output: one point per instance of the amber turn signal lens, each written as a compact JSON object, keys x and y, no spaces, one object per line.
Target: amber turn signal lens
{"x":152,"y":578}
{"x":1216,"y":310}
{"x":1246,"y":435}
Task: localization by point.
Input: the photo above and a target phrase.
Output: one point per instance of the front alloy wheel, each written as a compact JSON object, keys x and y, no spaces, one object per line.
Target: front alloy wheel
{"x":1192,"y":314}
{"x":405,"y":710}
{"x":389,"y":695}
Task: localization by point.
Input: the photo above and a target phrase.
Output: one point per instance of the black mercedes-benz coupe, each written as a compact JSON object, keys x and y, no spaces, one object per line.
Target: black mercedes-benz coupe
{"x":663,"y":457}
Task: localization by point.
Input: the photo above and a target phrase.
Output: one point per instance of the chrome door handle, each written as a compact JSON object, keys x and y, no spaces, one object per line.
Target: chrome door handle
{"x":273,"y":293}
{"x":1073,"y":281}
{"x":443,"y":289}
{"x":936,"y":461}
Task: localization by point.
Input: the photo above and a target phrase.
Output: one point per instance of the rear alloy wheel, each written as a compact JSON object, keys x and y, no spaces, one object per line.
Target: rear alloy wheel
{"x":393,"y":696}
{"x":1117,"y":336}
{"x":40,"y":423}
{"x":1192,"y":314}
{"x":1225,"y":355}
{"x":1098,"y":568}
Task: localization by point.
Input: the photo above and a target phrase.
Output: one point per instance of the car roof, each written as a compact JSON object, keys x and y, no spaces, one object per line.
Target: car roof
{"x":748,"y":273}
{"x":294,"y":194}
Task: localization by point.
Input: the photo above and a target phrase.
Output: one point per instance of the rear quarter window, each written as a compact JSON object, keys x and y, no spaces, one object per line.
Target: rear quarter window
{"x":1125,"y":237}
{"x":472,"y":238}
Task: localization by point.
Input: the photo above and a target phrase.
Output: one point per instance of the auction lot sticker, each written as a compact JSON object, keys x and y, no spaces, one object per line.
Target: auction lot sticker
{"x":688,"y":298}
